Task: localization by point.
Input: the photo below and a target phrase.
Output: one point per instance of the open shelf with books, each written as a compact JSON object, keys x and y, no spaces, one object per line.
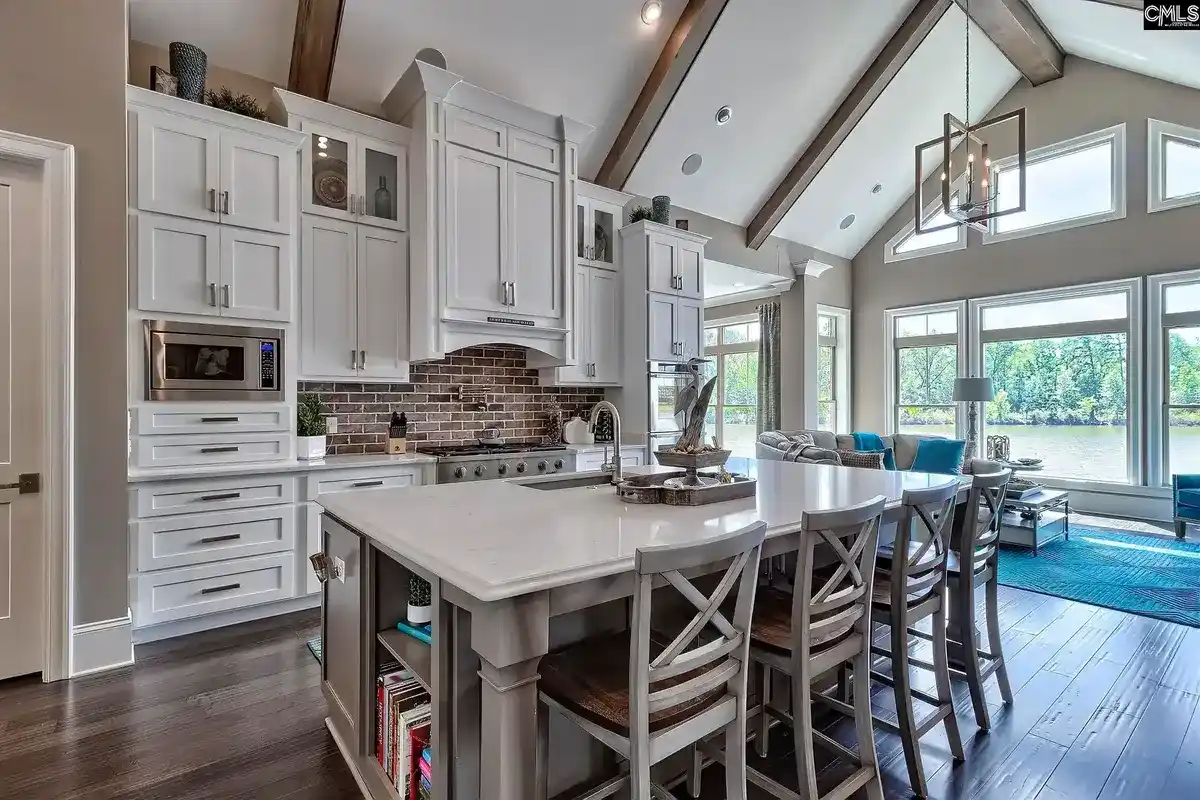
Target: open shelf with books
{"x":412,"y":653}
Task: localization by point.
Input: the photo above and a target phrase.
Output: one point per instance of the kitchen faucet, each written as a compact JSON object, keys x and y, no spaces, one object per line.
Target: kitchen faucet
{"x":615,"y":466}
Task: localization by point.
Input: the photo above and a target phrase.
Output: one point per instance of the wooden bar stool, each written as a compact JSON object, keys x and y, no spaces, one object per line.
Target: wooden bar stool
{"x":976,"y":563}
{"x":815,"y":629}
{"x":648,"y":697}
{"x":910,"y":585}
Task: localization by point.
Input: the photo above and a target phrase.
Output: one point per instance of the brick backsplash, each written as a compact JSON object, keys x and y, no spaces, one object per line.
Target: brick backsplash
{"x":515,"y":403}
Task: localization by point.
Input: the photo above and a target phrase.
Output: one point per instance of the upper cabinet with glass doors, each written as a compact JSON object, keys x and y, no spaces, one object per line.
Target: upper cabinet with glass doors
{"x":598,"y":216}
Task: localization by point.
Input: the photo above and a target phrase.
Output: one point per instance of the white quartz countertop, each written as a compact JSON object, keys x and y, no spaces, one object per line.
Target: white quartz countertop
{"x":499,"y":539}
{"x":265,"y":467}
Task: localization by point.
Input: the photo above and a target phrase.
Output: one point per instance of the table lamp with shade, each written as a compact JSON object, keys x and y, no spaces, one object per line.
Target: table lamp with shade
{"x":972,"y":391}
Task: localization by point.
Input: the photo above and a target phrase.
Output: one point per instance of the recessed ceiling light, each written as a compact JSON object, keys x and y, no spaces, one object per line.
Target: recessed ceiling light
{"x":877,"y":188}
{"x":692,"y":164}
{"x":846,"y":222}
{"x":723,"y":114}
{"x":651,"y":11}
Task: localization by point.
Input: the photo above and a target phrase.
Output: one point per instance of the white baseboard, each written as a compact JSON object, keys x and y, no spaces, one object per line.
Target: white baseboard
{"x":183,"y":627}
{"x":99,"y":646}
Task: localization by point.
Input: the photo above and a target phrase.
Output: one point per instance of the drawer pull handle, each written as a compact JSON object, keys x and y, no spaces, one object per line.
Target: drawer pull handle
{"x":230,"y":449}
{"x":229,"y":537}
{"x":208,"y":498}
{"x":219,"y":419}
{"x":361,"y":484}
{"x":226,"y":588}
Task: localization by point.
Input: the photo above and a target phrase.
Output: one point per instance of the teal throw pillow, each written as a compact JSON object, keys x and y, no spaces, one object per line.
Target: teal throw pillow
{"x":941,"y":456}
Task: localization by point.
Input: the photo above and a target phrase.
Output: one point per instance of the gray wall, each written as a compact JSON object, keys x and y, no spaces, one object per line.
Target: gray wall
{"x":1089,"y":97}
{"x":64,"y":69}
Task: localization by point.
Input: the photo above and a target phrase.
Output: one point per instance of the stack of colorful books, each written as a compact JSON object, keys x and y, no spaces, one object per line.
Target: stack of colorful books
{"x":426,"y":768}
{"x":403,"y":715}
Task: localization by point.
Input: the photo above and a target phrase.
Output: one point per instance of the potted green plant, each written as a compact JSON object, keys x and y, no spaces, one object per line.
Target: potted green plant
{"x":310,"y":428}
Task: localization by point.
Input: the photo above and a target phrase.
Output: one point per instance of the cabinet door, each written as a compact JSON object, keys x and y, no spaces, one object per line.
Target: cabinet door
{"x":476,"y":230}
{"x":382,"y":303}
{"x":661,"y":328}
{"x":256,"y":274}
{"x":256,"y":183}
{"x":342,"y":631}
{"x":535,"y":224}
{"x":328,"y":299}
{"x":603,"y":222}
{"x":330,"y":171}
{"x":581,"y":372}
{"x":604,"y":325}
{"x":689,"y":317}
{"x":310,"y":539}
{"x":383,"y":178}
{"x":689,"y":264}
{"x":178,"y":265}
{"x":662,"y":264}
{"x":583,"y":231}
{"x":177,"y":163}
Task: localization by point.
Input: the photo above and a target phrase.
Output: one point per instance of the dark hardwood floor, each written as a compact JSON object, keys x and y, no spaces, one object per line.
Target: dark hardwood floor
{"x":1106,"y":707}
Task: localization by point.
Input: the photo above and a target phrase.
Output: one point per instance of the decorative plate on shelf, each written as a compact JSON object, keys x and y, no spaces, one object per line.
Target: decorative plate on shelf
{"x":329,"y":183}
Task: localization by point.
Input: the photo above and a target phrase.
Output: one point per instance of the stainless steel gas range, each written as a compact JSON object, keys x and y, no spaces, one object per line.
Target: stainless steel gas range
{"x":481,"y":462}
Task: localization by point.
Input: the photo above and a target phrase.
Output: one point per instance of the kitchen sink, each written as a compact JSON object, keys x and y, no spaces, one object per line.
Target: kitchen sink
{"x":575,"y":481}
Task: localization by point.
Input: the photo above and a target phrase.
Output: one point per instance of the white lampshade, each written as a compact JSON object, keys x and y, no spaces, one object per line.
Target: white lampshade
{"x":973,"y":390}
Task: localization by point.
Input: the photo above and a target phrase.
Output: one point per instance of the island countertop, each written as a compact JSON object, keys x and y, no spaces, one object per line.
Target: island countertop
{"x":500,"y":539}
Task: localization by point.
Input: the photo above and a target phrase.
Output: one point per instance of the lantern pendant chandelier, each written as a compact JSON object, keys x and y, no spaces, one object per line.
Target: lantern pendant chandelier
{"x":969,"y":197}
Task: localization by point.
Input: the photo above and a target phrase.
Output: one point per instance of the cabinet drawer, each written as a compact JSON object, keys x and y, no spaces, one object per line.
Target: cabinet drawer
{"x":186,"y":451}
{"x":332,"y":483}
{"x":153,"y":421}
{"x":476,"y":131}
{"x":172,"y":594}
{"x":534,"y":149}
{"x":199,"y":538}
{"x":189,"y":497}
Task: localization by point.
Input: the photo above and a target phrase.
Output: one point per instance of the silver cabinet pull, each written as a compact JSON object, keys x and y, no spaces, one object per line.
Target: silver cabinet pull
{"x":212,"y":199}
{"x":225,"y":203}
{"x":363,"y":204}
{"x":353,"y":359}
{"x":212,"y":295}
{"x":226,"y":588}
{"x":229,"y":449}
{"x":361,"y":484}
{"x":229,"y":537}
{"x":362,"y":359}
{"x":209,"y":498}
{"x":352,"y":204}
{"x":504,"y":293}
{"x":512,"y":291}
{"x":219,"y":419}
{"x":225,"y":295}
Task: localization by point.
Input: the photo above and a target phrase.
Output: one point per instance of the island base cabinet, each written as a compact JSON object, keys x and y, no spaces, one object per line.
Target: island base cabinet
{"x":342,"y":636}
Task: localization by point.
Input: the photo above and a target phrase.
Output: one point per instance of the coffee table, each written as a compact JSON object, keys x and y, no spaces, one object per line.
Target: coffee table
{"x":1036,"y":519}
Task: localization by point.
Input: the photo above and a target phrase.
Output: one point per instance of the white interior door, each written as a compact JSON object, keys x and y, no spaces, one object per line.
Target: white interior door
{"x":256,"y":274}
{"x":382,"y":303}
{"x":329,"y":300}
{"x":255,"y":189}
{"x":22,"y":442}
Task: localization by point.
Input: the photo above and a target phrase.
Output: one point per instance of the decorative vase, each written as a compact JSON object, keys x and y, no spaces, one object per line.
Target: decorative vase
{"x":383,"y":200}
{"x":310,"y":448}
{"x":660,"y":209}
{"x":420,"y":601}
{"x":189,"y":64}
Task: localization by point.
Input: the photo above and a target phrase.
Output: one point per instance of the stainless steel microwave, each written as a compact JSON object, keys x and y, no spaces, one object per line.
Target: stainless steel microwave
{"x":192,"y":361}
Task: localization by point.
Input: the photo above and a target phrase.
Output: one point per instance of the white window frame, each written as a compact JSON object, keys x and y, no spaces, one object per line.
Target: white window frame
{"x":1115,"y":134}
{"x":716,"y":352}
{"x":1158,"y":372}
{"x":894,"y":343}
{"x":1133,"y":359}
{"x":841,"y":364}
{"x":890,"y":255}
{"x":1158,"y":133}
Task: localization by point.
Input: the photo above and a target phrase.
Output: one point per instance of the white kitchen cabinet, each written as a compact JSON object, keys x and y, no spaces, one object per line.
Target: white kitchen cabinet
{"x":178,"y":165}
{"x":596,"y":225}
{"x":256,"y":274}
{"x":354,"y":177}
{"x":257,"y":183}
{"x":675,"y":265}
{"x":178,"y":265}
{"x":594,"y":460}
{"x":535,"y":258}
{"x":604,"y":325}
{"x":689,"y":316}
{"x":689,"y":261}
{"x":477,"y":208}
{"x":662,"y":326}
{"x":354,"y":301}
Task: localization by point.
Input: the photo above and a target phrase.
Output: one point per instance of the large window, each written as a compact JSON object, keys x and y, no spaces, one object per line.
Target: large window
{"x":927,"y":353}
{"x":1060,"y":366}
{"x":1174,"y":166}
{"x":1077,"y":182}
{"x":833,"y":369}
{"x":732,"y":347}
{"x":1175,"y":376}
{"x":910,"y":244}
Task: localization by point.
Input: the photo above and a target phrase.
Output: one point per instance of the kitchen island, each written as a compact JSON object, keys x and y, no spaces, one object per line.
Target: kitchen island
{"x":506,"y":559}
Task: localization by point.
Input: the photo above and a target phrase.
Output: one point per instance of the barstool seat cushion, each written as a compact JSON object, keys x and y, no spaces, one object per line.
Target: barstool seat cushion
{"x":772,"y":624}
{"x":591,"y":679}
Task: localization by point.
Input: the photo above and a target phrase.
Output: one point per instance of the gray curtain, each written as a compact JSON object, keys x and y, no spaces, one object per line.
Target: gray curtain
{"x":768,"y":366}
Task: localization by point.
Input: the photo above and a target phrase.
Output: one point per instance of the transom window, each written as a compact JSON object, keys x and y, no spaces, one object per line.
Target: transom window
{"x":1077,"y":182}
{"x":732,"y":350}
{"x":1174,"y":166}
{"x":910,"y":244}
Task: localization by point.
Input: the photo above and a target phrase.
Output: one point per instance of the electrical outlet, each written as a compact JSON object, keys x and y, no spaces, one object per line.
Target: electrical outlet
{"x":339,"y":569}
{"x":331,"y":424}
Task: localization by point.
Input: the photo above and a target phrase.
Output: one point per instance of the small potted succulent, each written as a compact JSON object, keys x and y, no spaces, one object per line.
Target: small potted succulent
{"x":310,"y":428}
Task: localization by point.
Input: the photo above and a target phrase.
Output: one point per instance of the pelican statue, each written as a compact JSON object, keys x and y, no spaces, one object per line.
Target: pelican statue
{"x":687,"y":398}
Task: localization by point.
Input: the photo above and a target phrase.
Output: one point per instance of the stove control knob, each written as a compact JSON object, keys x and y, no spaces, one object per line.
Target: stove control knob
{"x":502,"y":469}
{"x":558,"y":464}
{"x":542,"y":466}
{"x":521,"y":466}
{"x":479,"y":470}
{"x":460,"y":472}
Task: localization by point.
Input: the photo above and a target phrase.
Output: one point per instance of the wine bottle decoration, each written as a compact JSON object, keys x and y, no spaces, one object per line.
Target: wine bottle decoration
{"x":420,"y":600}
{"x":383,"y":200}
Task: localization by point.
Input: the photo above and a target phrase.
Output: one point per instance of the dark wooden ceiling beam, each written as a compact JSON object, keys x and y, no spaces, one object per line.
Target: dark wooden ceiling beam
{"x":683,"y":46}
{"x":314,"y":46}
{"x":853,"y":108}
{"x":1018,"y":33}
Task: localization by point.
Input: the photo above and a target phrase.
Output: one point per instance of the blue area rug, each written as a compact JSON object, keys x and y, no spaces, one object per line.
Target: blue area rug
{"x":315,"y":646}
{"x":1146,"y":575}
